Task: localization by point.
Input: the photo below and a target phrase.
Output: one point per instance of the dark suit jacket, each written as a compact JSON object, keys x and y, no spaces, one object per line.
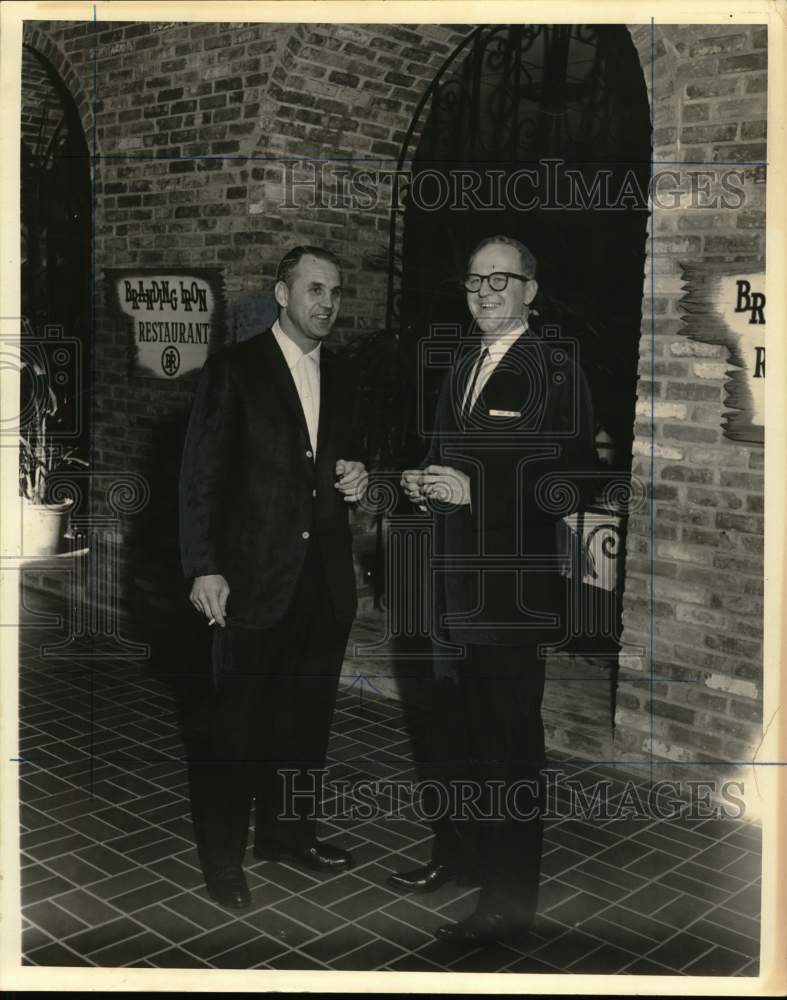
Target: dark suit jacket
{"x":522,"y":445}
{"x":251,"y":496}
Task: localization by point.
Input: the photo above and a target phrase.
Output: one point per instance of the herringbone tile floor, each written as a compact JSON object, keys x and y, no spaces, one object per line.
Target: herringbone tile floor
{"x":110,"y":875}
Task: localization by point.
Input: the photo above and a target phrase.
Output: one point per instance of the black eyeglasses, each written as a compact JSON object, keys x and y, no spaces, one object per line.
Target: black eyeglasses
{"x":498,"y":280}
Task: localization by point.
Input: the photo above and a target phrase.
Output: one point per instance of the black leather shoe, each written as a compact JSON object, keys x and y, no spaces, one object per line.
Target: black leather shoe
{"x":485,"y":927}
{"x":317,"y":857}
{"x":427,"y":879}
{"x":227,"y":887}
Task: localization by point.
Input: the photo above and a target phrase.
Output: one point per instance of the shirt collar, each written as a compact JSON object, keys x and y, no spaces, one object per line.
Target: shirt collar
{"x":502,"y":344}
{"x":292,"y":353}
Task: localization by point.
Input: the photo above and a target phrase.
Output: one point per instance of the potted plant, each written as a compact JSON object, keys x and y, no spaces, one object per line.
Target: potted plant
{"x":40,"y":455}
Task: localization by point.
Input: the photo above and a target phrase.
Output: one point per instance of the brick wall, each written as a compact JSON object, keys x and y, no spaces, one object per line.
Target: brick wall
{"x":40,"y":107}
{"x":195,"y":124}
{"x":694,"y":569}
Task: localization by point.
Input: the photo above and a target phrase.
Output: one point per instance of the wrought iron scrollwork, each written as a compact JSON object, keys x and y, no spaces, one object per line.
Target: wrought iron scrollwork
{"x":524,"y":90}
{"x":610,"y":545}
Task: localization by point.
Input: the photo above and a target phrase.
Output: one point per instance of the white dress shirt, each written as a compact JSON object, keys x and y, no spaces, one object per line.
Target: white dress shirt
{"x":305,"y":371}
{"x":493,"y":357}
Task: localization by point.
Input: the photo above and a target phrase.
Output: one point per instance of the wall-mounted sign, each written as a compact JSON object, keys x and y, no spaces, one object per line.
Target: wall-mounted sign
{"x":176,"y":315}
{"x":725,"y":304}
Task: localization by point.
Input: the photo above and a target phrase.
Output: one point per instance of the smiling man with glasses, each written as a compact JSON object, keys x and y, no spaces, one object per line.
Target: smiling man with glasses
{"x":500,"y":286}
{"x":513,"y":416}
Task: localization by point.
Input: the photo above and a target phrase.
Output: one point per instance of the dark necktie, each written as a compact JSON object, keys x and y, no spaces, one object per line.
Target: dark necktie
{"x":467,"y":404}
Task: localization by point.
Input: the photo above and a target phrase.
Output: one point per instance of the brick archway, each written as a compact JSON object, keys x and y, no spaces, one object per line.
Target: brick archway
{"x":65,"y":69}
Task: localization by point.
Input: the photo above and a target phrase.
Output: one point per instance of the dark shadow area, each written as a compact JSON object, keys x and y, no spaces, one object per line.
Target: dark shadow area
{"x":162,"y":616}
{"x":55,"y":201}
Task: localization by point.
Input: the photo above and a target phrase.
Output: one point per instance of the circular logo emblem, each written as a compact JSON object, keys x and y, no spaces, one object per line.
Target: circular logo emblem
{"x":170,"y":360}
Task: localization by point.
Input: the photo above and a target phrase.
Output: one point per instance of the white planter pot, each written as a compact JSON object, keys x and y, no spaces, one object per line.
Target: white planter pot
{"x":43,"y":527}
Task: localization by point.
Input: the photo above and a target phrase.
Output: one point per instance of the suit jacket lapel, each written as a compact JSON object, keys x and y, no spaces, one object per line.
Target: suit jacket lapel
{"x":499,"y":377}
{"x":460,"y":376}
{"x":326,"y":400}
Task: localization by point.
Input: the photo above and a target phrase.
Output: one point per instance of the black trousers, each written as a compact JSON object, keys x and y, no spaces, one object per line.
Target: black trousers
{"x":266,"y":725}
{"x":487,"y":758}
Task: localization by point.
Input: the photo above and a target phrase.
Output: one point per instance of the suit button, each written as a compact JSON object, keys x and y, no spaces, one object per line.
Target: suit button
{"x":309,"y":454}
{"x":304,"y":534}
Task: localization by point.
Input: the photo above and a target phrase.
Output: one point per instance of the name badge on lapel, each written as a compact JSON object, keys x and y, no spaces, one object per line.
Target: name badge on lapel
{"x":504,"y":413}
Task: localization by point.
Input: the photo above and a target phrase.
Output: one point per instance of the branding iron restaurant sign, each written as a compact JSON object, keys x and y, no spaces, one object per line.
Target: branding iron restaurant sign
{"x":176,"y":315}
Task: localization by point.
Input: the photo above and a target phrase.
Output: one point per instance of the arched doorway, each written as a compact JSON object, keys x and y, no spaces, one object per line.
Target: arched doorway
{"x":541,"y":132}
{"x":56,"y":249}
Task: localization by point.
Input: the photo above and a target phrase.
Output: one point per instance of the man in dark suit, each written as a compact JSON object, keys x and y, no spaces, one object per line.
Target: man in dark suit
{"x":513,"y":423}
{"x":264,"y":487}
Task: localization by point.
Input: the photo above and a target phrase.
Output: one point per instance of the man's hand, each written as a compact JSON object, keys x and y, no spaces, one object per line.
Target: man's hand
{"x":209,"y":595}
{"x":412,"y":484}
{"x":352,"y":480}
{"x":436,"y":482}
{"x":441,"y":482}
